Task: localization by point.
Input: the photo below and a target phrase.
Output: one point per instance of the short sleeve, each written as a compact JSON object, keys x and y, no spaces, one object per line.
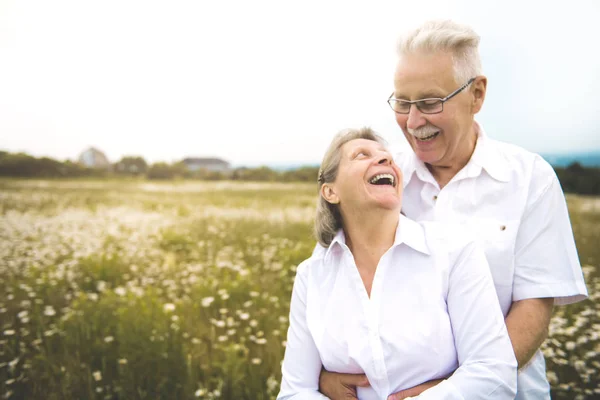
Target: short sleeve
{"x":546,"y":260}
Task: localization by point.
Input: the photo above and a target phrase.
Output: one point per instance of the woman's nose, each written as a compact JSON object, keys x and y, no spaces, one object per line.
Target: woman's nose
{"x":384,"y":160}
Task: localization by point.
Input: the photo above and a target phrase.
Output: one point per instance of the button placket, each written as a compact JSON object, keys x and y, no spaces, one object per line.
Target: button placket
{"x":373,"y":321}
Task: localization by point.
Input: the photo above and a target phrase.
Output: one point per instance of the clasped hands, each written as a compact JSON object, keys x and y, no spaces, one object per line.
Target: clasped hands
{"x":339,"y":386}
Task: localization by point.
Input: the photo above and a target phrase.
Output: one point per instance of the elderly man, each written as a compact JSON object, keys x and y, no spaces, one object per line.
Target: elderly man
{"x":508,"y":197}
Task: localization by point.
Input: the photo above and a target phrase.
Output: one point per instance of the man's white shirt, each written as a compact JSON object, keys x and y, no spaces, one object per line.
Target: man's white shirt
{"x":432,"y":312}
{"x":511,"y":200}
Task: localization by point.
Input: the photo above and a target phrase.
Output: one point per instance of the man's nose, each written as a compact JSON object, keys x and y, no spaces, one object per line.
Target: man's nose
{"x":415,"y":118}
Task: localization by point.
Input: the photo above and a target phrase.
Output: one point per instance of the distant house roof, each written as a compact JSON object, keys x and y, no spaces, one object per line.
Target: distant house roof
{"x":195,"y":163}
{"x":94,"y":158}
{"x":206,"y":161}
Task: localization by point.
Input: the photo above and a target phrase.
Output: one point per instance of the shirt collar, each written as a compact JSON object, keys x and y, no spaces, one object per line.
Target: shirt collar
{"x":412,"y":234}
{"x":408,"y":232}
{"x":485,"y":156}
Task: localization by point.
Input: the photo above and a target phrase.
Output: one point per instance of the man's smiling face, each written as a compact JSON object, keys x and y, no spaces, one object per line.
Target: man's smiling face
{"x":442,"y":139}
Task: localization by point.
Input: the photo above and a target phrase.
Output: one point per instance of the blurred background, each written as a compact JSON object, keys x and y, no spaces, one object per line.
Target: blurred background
{"x":159,"y":159}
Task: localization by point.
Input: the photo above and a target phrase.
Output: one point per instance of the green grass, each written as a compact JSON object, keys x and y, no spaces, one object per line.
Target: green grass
{"x":137,"y":290}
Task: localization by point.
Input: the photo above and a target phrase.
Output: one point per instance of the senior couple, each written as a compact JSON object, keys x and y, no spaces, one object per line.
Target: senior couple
{"x":437,"y":269}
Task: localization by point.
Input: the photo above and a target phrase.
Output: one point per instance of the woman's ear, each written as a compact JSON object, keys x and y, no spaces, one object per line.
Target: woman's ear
{"x":328,"y":193}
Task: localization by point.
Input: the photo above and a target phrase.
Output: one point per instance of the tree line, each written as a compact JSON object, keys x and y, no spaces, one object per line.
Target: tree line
{"x":21,"y":165}
{"x":574,"y":179}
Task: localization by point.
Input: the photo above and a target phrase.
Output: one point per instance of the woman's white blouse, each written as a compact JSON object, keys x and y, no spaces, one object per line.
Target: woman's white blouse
{"x":432,"y":310}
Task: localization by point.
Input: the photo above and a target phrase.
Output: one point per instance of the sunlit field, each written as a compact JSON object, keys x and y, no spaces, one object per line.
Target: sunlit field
{"x":138,"y":290}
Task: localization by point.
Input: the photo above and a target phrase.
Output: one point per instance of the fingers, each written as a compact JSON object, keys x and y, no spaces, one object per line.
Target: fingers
{"x":414,"y":391}
{"x":354,"y":379}
{"x":398,"y":396}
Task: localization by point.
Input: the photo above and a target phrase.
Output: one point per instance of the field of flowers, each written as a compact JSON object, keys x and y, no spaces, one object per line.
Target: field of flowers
{"x":137,"y":290}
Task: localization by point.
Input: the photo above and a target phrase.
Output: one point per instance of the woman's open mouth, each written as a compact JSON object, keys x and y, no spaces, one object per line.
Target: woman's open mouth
{"x":383,"y":179}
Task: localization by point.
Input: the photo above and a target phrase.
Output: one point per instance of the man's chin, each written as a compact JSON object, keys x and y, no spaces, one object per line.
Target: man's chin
{"x":428,"y":157}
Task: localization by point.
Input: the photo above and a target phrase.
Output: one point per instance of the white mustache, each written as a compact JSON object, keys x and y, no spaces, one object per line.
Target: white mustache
{"x":423,"y":131}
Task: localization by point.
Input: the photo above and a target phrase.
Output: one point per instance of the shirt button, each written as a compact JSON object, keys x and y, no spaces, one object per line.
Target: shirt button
{"x":434,"y":198}
{"x":503,"y":227}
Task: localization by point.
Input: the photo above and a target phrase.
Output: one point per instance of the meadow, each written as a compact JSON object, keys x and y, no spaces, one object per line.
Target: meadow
{"x":180,"y":290}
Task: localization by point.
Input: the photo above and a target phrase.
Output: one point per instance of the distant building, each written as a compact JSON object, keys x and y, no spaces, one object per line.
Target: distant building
{"x":94,"y":158}
{"x":210,"y":164}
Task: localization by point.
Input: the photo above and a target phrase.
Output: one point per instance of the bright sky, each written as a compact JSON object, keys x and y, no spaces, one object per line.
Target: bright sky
{"x":272,"y":81}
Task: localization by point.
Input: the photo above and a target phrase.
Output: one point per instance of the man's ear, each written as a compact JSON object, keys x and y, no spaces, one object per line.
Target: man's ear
{"x":328,"y":193}
{"x":479,"y":89}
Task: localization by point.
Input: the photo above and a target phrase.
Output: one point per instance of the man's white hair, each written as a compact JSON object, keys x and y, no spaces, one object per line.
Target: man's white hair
{"x":446,"y":35}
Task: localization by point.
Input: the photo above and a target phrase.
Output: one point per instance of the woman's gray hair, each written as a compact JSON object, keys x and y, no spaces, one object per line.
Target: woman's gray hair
{"x":446,"y":35}
{"x":328,"y":219}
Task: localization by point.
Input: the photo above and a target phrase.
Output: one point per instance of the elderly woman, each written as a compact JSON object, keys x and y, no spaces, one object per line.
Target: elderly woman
{"x":399,"y":301}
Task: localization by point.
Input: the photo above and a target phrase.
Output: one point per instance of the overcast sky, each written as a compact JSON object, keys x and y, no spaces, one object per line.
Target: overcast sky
{"x":272,"y":81}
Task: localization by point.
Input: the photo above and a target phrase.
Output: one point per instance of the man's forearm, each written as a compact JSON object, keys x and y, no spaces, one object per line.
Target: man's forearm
{"x":527,"y":323}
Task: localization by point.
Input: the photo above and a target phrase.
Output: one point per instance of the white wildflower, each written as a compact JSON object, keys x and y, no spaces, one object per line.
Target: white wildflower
{"x":49,"y":311}
{"x":101,"y":286}
{"x":218,"y":323}
{"x":93,"y":296}
{"x":12,"y":364}
{"x":207,"y":301}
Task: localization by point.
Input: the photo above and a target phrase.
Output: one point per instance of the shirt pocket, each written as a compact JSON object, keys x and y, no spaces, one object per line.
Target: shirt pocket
{"x":497,"y":237}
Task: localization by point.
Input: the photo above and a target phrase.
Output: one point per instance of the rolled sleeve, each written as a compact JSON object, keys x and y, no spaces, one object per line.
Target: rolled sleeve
{"x":301,"y":363}
{"x":546,"y":261}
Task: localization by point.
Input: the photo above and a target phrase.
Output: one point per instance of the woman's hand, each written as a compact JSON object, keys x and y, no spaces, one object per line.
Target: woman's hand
{"x":338,"y":386}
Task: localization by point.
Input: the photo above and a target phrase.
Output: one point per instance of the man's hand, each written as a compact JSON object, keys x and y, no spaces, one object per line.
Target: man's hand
{"x":414,"y":391}
{"x":341,"y":386}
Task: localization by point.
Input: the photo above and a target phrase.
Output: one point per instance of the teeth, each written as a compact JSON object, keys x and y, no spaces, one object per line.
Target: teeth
{"x":381,"y":176}
{"x":427,"y":138}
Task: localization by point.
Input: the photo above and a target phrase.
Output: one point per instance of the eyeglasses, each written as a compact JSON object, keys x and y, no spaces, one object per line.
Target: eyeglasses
{"x":426,"y":106}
